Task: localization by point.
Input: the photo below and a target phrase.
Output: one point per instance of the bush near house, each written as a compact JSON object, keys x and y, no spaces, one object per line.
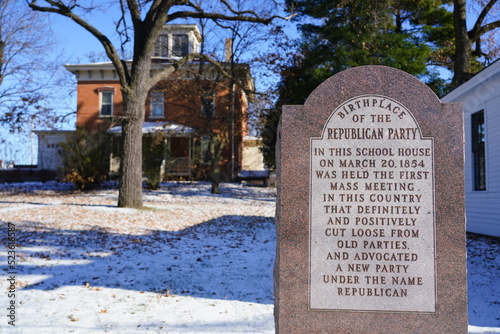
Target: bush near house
{"x":86,"y":159}
{"x":153,"y":154}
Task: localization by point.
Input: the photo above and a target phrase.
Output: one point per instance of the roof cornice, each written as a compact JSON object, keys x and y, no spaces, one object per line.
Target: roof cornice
{"x":480,"y":79}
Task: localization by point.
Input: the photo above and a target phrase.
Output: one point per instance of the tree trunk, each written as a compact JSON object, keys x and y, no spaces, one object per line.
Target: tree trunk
{"x":130,"y":191}
{"x":463,"y":45}
{"x":215,"y":175}
{"x":214,"y":179}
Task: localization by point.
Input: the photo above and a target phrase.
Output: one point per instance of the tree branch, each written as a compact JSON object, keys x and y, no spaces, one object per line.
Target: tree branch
{"x":478,"y":30}
{"x":135,"y":13}
{"x":171,"y":68}
{"x":486,"y":28}
{"x":122,"y":33}
{"x":202,"y":57}
{"x":218,"y":16}
{"x":60,"y":8}
{"x":158,"y":13}
{"x":246,"y":16}
{"x":228,"y":6}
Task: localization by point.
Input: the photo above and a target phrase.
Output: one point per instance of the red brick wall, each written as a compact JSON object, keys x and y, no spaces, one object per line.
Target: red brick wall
{"x":88,"y":104}
{"x":180,"y":105}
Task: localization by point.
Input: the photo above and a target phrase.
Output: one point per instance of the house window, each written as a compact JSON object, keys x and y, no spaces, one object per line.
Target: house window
{"x":157,"y":104}
{"x":106,"y":103}
{"x":180,"y":47}
{"x":478,"y":150}
{"x":208,"y":103}
{"x":161,"y":46}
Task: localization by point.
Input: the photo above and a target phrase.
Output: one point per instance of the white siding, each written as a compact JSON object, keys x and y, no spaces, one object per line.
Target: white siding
{"x":49,"y":149}
{"x":492,"y":121}
{"x":252,"y":156}
{"x":482,"y":93}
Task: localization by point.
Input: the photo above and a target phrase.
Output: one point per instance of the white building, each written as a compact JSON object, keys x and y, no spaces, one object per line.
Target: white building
{"x":481,"y":102}
{"x":49,"y":157}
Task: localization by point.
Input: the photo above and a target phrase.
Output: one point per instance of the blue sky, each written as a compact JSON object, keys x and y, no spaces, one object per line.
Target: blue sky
{"x":76,"y":41}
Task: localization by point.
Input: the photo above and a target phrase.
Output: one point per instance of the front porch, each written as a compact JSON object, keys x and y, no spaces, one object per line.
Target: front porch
{"x":169,"y":146}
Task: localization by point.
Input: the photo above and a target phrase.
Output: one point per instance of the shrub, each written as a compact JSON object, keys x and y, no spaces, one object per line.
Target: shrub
{"x":153,"y":154}
{"x":86,"y":159}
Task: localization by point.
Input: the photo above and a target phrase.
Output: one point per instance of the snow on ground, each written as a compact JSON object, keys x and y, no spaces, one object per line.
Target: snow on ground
{"x":189,"y":262}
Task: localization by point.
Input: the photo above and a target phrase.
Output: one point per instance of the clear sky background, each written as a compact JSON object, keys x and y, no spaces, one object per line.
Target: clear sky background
{"x":76,"y":41}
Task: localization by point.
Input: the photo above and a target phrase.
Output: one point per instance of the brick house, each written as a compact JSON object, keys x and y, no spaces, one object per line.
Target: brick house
{"x":184,"y":108}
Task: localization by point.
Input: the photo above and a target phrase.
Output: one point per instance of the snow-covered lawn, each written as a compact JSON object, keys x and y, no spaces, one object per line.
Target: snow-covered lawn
{"x":189,"y":262}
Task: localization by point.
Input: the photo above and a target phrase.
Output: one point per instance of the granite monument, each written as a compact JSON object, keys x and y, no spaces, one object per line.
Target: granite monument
{"x":370,"y":212}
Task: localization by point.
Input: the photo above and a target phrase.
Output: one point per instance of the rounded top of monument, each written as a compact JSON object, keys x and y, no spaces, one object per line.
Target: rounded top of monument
{"x":373,"y":79}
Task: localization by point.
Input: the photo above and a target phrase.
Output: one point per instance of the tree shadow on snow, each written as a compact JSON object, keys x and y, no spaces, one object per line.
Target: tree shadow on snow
{"x":483,"y":268}
{"x":227,"y":190}
{"x":230,"y":257}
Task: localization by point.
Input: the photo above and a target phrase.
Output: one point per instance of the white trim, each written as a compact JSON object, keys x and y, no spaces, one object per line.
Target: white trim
{"x":161,"y":101}
{"x":482,"y":79}
{"x":161,"y":46}
{"x":101,"y":102}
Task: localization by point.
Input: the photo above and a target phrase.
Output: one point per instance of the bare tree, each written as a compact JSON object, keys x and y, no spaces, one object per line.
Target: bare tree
{"x":244,"y":43}
{"x":28,"y":73}
{"x":470,"y":43}
{"x":140,"y":25}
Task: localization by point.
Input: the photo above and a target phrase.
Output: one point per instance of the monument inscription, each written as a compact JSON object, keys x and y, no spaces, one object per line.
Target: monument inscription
{"x":372,"y":222}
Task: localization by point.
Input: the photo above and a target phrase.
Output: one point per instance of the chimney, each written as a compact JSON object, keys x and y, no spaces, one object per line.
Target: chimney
{"x":228,"y":50}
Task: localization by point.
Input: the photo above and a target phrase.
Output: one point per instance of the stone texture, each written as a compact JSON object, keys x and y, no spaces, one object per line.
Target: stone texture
{"x":442,"y":122}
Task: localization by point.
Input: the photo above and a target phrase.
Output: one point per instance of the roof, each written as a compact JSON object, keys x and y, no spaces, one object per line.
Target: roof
{"x":106,"y":71}
{"x":182,"y":28}
{"x":51,"y":132}
{"x":487,"y":78}
{"x":159,"y":127}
